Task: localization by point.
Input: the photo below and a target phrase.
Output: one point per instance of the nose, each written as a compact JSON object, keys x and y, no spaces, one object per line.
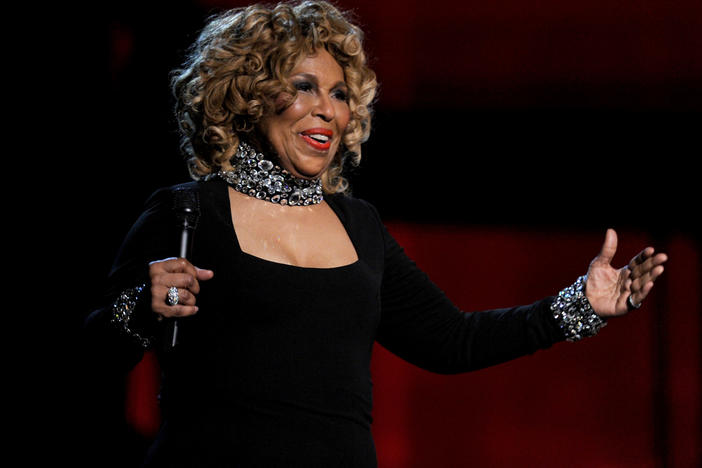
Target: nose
{"x":324,"y":108}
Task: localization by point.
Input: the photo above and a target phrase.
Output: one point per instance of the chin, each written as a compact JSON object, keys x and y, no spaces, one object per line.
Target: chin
{"x":310,"y":174}
{"x":311,"y":171}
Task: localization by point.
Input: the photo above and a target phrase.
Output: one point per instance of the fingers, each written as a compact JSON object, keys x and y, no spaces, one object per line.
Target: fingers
{"x":204,"y":275}
{"x":649,"y":276}
{"x":184,"y":307}
{"x":640,"y":287}
{"x":181,"y":274}
{"x":609,"y":248}
{"x":615,"y":289}
{"x":641,"y":258}
{"x":172,"y":265}
{"x":645,"y":261}
{"x":638,"y":296}
{"x":644,"y":268}
{"x":646,"y":265}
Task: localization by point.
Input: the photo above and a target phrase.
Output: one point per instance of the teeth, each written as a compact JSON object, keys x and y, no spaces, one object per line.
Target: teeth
{"x":322,"y":138}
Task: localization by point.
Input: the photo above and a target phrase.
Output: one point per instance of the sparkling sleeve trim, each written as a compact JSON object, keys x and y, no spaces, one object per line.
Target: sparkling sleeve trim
{"x":573,"y":313}
{"x":122,"y":311}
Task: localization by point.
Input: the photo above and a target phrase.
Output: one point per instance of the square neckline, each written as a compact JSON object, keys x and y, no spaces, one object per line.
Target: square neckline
{"x":226,"y":200}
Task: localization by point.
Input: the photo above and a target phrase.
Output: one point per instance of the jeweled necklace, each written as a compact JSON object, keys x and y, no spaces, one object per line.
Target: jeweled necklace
{"x":256,"y":176}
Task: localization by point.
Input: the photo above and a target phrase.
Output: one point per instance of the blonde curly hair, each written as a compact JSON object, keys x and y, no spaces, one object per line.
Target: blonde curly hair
{"x":241,"y":62}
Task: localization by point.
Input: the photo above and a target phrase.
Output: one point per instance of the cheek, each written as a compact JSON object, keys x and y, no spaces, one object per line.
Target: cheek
{"x":343,"y":117}
{"x":278,"y":127}
{"x":293,"y":113}
{"x":282,"y":101}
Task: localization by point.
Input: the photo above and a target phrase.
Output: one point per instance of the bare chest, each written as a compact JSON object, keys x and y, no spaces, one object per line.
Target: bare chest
{"x":310,"y":236}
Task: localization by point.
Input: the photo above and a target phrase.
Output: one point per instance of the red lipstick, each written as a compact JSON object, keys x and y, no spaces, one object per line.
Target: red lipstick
{"x":318,"y":138}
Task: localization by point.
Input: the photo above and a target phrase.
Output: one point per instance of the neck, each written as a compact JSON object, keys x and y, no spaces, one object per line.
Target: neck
{"x":255,"y":175}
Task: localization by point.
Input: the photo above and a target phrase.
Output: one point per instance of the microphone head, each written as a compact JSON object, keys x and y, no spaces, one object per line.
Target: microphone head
{"x":186,"y":206}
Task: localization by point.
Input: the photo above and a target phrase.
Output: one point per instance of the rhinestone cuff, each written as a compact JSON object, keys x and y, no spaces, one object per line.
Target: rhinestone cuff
{"x":122,"y":311}
{"x":573,"y":313}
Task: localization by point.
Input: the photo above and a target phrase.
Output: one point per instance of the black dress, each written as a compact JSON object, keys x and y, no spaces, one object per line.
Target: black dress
{"x":274,"y":370}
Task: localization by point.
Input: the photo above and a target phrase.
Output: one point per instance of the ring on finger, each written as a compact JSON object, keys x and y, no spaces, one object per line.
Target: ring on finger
{"x":172,"y":297}
{"x":630,"y":303}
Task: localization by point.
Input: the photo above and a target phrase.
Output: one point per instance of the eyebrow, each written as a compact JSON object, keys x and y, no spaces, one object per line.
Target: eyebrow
{"x":313,"y":78}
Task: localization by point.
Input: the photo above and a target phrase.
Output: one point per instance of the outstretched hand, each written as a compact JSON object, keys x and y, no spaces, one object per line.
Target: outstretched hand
{"x":608,"y":289}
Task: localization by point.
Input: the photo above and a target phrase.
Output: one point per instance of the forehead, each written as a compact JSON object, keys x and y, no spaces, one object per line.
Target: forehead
{"x":322,"y":65}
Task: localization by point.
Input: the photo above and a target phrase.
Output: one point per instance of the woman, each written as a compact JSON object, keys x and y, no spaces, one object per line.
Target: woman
{"x":291,"y":280}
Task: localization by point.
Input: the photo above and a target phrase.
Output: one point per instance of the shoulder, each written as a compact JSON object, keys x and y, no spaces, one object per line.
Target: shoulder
{"x":350,"y":203}
{"x":165,"y":196}
{"x":363,"y":224}
{"x":353,"y":208}
{"x":166,"y":192}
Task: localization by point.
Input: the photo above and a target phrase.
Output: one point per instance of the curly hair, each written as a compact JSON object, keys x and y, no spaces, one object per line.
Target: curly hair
{"x":241,"y":62}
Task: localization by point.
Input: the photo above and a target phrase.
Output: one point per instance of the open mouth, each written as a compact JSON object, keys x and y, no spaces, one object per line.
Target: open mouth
{"x":318,"y":138}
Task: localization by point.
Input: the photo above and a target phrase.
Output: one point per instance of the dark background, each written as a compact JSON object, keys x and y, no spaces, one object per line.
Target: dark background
{"x":508,"y":113}
{"x":505,"y":116}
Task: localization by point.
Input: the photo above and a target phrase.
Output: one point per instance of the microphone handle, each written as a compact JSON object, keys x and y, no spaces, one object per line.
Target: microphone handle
{"x":185,"y":243}
{"x":185,"y":239}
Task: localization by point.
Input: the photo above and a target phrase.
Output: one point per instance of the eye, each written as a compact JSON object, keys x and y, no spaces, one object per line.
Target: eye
{"x":341,"y":95}
{"x":304,"y":86}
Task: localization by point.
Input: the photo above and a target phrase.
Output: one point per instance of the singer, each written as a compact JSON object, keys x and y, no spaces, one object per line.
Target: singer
{"x":290,"y":280}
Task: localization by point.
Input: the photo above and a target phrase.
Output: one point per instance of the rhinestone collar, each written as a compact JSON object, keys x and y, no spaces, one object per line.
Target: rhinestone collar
{"x":256,"y":176}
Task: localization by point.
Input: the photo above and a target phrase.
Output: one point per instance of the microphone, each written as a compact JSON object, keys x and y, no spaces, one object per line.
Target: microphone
{"x":186,"y":207}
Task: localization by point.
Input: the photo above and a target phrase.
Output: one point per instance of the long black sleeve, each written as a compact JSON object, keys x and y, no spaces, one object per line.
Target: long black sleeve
{"x":154,"y":236}
{"x":421,"y":325}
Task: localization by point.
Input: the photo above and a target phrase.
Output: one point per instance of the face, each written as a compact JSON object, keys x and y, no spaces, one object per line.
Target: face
{"x":307,"y":133}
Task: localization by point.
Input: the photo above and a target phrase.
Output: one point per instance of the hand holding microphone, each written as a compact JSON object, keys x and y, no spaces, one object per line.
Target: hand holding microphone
{"x":181,"y":274}
{"x":175,"y":281}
